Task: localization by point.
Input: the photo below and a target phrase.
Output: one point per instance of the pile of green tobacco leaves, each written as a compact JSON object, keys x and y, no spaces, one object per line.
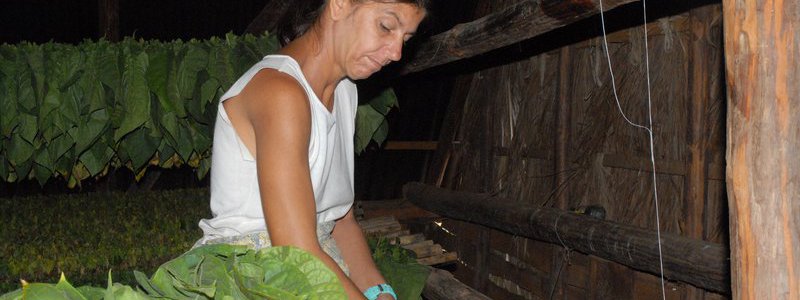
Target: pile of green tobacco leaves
{"x":212,"y":272}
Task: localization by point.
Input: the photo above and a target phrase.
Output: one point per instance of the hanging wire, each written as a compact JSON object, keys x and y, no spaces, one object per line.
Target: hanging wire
{"x":649,"y":128}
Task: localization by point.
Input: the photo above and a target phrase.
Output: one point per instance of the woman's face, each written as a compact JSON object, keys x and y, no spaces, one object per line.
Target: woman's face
{"x":373,"y":33}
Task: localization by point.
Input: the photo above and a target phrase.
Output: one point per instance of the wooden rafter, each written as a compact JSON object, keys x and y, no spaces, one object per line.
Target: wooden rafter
{"x":513,"y":24}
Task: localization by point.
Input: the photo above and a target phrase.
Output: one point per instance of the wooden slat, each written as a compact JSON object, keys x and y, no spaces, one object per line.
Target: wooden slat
{"x":438,"y":259}
{"x":700,"y":263}
{"x":411,"y":145}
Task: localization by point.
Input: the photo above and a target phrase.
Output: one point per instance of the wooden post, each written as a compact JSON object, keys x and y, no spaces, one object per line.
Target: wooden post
{"x":108,"y":19}
{"x":762,"y":45}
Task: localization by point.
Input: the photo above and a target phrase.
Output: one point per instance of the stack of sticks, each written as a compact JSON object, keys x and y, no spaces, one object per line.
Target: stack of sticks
{"x":389,"y":228}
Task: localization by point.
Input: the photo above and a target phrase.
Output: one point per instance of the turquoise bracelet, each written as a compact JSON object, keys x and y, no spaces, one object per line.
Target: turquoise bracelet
{"x":373,"y":292}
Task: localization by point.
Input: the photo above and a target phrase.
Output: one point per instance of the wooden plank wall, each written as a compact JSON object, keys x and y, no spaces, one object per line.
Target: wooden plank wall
{"x":499,"y":137}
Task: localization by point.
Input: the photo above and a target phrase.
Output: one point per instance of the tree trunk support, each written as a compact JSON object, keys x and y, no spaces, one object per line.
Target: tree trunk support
{"x":762,"y":47}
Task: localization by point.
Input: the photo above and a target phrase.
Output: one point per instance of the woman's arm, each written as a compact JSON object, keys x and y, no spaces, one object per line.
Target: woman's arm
{"x":278,"y":109}
{"x":355,"y":252}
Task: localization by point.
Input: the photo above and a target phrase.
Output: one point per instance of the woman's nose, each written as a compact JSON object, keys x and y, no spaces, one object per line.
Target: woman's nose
{"x":395,"y":51}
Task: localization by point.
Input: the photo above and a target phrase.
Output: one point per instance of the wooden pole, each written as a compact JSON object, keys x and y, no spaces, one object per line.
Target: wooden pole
{"x":762,"y":45}
{"x":108,"y":19}
{"x":441,"y":285}
{"x":696,"y":262}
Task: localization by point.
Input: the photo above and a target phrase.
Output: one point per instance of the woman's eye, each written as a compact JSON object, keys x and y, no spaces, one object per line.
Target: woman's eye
{"x":384,"y":28}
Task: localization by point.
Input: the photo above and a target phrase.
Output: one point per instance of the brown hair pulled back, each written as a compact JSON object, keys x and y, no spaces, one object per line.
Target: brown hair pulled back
{"x":302,"y":14}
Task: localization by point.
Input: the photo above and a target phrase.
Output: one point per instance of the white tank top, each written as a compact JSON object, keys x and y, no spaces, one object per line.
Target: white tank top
{"x":235,"y":198}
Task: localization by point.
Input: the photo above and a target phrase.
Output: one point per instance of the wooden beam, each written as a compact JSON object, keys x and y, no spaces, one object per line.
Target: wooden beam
{"x":411,"y":145}
{"x":269,"y":17}
{"x":441,"y":285}
{"x":513,"y":24}
{"x":762,"y":59}
{"x":696,"y":262}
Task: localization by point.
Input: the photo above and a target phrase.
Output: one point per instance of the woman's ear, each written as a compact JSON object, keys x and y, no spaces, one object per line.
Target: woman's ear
{"x":339,"y":8}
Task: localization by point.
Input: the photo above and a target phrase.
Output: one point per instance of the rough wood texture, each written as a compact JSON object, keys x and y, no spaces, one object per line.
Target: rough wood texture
{"x":441,"y":285}
{"x":515,"y":23}
{"x":696,"y":171}
{"x":762,"y":42}
{"x":692,"y":261}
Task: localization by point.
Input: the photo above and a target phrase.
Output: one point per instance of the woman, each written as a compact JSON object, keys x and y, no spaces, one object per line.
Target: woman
{"x":283,"y":140}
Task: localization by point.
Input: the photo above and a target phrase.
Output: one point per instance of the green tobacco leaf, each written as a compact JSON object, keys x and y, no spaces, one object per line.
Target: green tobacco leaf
{"x":69,"y":107}
{"x":384,"y":102}
{"x":15,"y":295}
{"x":367,"y":122}
{"x":202,"y":170}
{"x":140,"y":147}
{"x":208,"y":92}
{"x":219,"y":65}
{"x":59,"y":146}
{"x":135,"y":95}
{"x":381,"y":133}
{"x":106,"y":62}
{"x":87,"y":133}
{"x":69,"y":291}
{"x":19,"y":151}
{"x":92,"y":293}
{"x":35,"y":60}
{"x":93,"y":93}
{"x":4,"y":168}
{"x":52,"y":100}
{"x":42,"y":291}
{"x":195,"y":60}
{"x":169,"y":121}
{"x":184,"y":139}
{"x":301,"y":274}
{"x":157,"y":74}
{"x":237,"y":272}
{"x":28,"y":127}
{"x":400,"y":269}
{"x":96,"y":158}
{"x":8,"y":98}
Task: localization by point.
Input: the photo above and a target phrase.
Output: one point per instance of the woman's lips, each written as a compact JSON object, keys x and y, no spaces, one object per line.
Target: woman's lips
{"x":375,"y":64}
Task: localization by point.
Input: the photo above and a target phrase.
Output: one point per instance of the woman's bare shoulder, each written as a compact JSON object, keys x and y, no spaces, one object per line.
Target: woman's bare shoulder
{"x":277,"y":96}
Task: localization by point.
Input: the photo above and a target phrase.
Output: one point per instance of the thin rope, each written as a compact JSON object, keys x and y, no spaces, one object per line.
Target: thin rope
{"x":648,"y":129}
